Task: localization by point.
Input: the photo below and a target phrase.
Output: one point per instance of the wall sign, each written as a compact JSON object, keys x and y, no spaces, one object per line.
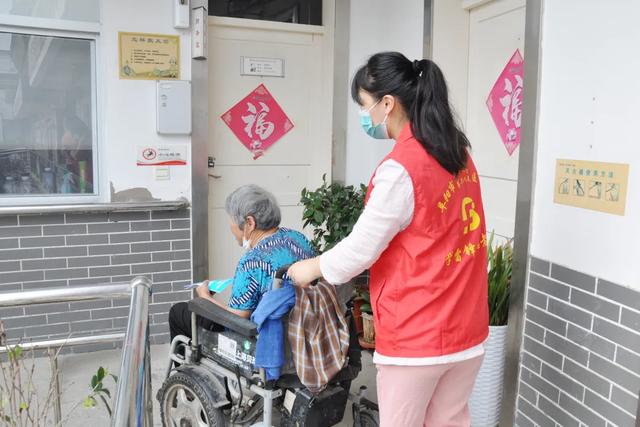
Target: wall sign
{"x":149,"y":56}
{"x":258,"y":121}
{"x":265,"y":67}
{"x":592,"y":185}
{"x":505,"y":102}
{"x":162,"y":155}
{"x":199,"y":35}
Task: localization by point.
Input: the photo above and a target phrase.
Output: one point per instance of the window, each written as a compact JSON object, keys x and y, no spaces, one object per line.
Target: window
{"x":68,"y":10}
{"x":47,"y":106}
{"x":294,"y":11}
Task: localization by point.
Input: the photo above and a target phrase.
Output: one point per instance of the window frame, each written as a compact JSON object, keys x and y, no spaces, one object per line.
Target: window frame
{"x":80,"y":30}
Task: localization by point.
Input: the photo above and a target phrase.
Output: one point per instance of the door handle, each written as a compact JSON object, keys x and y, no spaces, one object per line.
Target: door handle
{"x":211,"y":163}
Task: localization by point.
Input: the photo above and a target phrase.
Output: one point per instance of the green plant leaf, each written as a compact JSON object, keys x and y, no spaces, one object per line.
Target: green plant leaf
{"x":106,"y":405}
{"x":500,"y":266}
{"x":89,"y":402}
{"x":15,"y":353}
{"x":366,"y":308}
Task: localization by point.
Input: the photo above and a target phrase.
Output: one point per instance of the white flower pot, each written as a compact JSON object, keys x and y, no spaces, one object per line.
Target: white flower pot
{"x":486,"y":399}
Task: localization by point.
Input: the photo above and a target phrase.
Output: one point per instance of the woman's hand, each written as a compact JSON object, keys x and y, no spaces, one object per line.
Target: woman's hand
{"x":302,"y":273}
{"x":203,"y":290}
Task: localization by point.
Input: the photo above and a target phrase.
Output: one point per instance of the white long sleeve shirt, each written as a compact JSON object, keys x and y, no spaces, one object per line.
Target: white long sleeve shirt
{"x":388,"y":212}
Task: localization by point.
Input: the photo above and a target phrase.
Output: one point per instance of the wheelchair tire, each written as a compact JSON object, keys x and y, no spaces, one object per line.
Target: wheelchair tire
{"x":368,"y":419}
{"x":185,"y":401}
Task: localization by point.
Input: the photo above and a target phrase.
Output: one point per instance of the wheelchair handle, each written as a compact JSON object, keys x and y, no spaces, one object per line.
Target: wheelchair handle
{"x":282,"y":271}
{"x":277,"y":279}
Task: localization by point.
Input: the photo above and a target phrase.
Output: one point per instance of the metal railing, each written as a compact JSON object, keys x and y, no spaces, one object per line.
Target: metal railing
{"x":133,"y":403}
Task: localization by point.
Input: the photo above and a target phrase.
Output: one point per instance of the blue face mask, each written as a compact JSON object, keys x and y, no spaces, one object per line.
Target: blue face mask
{"x":378,"y":131}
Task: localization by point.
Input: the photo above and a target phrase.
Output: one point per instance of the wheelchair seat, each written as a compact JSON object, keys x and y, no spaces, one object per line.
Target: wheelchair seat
{"x":240,"y":337}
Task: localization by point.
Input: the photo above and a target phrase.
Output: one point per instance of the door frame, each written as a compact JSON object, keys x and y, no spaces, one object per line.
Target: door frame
{"x":524,"y":203}
{"x":200,"y":122}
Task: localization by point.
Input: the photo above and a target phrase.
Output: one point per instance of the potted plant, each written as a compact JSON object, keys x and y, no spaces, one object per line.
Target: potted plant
{"x":332,"y":210}
{"x":486,"y":398}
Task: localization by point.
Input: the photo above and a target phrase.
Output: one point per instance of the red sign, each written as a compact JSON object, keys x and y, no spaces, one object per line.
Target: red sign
{"x":258,"y":121}
{"x":505,"y":102}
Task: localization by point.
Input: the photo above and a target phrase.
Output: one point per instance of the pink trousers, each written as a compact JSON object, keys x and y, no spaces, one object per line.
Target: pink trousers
{"x":429,"y":396}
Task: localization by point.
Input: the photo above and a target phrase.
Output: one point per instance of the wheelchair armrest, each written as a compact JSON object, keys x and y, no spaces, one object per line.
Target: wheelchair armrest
{"x":205,"y":308}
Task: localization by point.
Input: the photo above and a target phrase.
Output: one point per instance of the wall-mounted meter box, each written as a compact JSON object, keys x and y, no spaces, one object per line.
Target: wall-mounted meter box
{"x":173,"y":107}
{"x":181,"y":11}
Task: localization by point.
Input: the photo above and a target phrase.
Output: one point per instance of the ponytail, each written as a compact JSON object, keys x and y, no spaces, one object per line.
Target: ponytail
{"x":421,"y":89}
{"x":432,"y":121}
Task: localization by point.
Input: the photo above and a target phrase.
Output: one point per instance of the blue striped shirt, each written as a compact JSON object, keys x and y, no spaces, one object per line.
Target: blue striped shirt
{"x":255,"y":271}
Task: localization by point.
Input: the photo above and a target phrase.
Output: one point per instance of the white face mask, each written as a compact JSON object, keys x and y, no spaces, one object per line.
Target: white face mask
{"x":246,"y":243}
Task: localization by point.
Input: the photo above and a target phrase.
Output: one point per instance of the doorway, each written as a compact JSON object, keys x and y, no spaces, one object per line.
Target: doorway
{"x":303,"y":91}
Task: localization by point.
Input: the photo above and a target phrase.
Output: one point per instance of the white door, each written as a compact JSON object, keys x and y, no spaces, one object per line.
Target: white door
{"x":496,"y":30}
{"x":297,"y":160}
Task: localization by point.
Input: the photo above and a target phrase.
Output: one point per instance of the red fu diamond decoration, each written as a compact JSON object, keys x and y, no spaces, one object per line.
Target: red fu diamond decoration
{"x":258,"y":121}
{"x":505,"y":102}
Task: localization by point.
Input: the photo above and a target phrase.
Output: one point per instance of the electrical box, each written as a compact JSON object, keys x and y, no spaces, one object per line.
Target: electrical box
{"x":173,"y":107}
{"x":181,"y":12}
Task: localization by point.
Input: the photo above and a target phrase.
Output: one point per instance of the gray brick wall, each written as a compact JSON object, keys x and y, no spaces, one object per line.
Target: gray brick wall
{"x":580,"y":360}
{"x":58,"y":250}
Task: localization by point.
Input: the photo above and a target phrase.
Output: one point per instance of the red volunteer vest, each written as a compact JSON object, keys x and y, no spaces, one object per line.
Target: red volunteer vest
{"x":429,"y":287}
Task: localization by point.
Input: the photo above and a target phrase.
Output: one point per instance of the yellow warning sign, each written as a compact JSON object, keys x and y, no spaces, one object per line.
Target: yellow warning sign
{"x":592,"y":185}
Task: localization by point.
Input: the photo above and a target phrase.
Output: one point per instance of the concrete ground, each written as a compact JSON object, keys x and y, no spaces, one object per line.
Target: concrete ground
{"x":77,"y":370}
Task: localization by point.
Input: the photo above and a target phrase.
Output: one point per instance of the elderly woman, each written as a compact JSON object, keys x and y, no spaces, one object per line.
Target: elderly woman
{"x":255,"y":223}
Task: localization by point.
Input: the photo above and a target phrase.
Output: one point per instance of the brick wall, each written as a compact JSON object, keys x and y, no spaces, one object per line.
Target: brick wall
{"x":75,"y":249}
{"x":580,"y":361}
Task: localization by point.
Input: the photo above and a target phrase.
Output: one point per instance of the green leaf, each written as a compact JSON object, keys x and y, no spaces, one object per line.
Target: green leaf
{"x":101,"y":373}
{"x":23,"y":406}
{"x":89,"y":402}
{"x":106,"y":405}
{"x":94,"y":382}
{"x":15,"y":353}
{"x":318,"y":217}
{"x":115,"y":378}
{"x":500,"y":266}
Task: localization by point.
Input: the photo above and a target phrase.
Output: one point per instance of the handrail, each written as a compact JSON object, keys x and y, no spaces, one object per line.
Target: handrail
{"x":67,"y":342}
{"x":83,"y":293}
{"x":133,"y":405}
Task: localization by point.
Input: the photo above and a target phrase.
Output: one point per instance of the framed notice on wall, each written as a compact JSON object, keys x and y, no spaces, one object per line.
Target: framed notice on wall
{"x":592,"y":185}
{"x":149,"y":56}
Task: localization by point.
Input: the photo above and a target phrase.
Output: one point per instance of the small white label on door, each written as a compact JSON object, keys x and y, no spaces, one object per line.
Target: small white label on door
{"x":227,"y":347}
{"x":269,"y":67}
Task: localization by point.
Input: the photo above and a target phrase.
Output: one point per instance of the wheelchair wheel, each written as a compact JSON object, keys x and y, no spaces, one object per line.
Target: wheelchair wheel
{"x":186,"y":402}
{"x":367,"y":418}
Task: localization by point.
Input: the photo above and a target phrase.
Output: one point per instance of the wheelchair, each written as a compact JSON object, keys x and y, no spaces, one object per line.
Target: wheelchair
{"x":211,"y":380}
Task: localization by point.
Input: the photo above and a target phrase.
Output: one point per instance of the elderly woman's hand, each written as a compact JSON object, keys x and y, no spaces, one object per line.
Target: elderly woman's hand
{"x":203,"y":290}
{"x":304,"y":272}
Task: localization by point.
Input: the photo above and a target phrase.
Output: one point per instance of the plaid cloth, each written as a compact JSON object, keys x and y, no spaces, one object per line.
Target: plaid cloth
{"x":318,"y":335}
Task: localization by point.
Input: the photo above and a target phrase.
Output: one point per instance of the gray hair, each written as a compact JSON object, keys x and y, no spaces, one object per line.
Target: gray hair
{"x":251,"y":200}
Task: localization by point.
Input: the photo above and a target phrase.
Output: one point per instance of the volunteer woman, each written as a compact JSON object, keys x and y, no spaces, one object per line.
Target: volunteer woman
{"x":422,"y":234}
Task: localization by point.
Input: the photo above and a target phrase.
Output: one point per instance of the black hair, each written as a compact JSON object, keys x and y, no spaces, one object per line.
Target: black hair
{"x":421,"y":89}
